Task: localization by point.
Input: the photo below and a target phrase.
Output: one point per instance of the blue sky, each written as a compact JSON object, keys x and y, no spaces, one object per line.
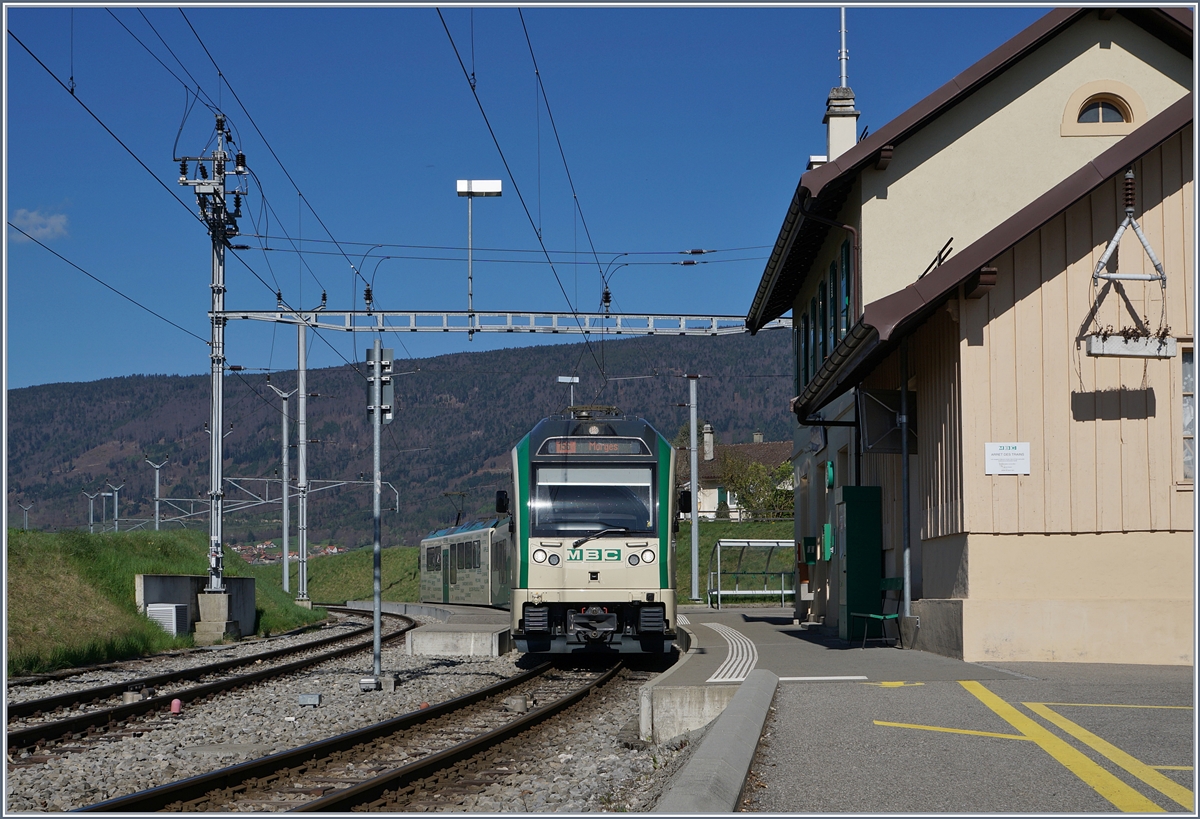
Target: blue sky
{"x":682,"y":128}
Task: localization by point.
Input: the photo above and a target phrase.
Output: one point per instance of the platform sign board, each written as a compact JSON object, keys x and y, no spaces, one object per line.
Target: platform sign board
{"x":1008,"y":458}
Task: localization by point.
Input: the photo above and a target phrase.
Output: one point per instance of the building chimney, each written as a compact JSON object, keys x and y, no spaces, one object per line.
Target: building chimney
{"x":758,"y":436}
{"x":841,"y":122}
{"x":708,"y":442}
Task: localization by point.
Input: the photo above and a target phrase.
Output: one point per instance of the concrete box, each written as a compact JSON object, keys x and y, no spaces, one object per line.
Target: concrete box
{"x":185,"y":589}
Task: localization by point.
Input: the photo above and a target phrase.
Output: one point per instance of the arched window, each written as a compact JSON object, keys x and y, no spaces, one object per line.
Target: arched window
{"x":1104,"y":108}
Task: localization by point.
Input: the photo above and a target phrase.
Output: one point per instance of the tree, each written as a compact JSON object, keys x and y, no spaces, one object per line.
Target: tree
{"x":762,"y":491}
{"x":683,"y":458}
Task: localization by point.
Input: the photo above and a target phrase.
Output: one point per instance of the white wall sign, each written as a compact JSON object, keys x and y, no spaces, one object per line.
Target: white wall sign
{"x":1006,"y":458}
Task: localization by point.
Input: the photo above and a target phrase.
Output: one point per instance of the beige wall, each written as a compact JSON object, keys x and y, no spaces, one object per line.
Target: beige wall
{"x":1121,"y":598}
{"x":1104,"y":433}
{"x":1002,"y":147}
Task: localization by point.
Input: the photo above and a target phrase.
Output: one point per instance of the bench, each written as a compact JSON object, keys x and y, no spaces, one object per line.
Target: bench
{"x":886,"y":584}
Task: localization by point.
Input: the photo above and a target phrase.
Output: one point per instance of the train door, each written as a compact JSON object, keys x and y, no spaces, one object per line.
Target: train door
{"x":447,"y":567}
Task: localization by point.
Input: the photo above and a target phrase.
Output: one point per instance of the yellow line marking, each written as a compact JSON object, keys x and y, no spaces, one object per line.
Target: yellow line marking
{"x":897,"y":684}
{"x":948,"y":730}
{"x":1114,"y":705}
{"x":1104,"y":783}
{"x":1172,"y":767}
{"x":1142,"y":771}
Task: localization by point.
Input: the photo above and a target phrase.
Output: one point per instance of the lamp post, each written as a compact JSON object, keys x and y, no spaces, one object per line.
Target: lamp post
{"x":572,"y":380}
{"x":471,"y":188}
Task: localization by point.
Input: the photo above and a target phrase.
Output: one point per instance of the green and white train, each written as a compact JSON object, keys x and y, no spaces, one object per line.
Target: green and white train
{"x":468,"y":564}
{"x":592,"y":520}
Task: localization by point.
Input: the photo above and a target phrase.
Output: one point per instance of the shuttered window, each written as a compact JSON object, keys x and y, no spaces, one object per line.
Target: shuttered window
{"x":1189,"y":415}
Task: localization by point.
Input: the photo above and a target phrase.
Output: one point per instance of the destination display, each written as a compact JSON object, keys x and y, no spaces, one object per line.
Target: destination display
{"x":593,"y":446}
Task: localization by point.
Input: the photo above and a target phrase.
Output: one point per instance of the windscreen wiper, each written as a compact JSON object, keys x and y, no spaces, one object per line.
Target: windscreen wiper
{"x":595,"y":535}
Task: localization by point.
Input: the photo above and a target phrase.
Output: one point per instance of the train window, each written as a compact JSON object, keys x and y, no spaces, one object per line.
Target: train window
{"x":586,"y":499}
{"x":433,"y":559}
{"x":478,"y":554}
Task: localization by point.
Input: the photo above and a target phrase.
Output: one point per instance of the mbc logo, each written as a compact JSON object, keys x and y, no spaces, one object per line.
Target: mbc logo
{"x":593,"y":555}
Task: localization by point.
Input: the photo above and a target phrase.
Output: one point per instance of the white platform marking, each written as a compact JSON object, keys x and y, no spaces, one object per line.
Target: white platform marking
{"x":682,"y":620}
{"x":818,"y":679}
{"x":743,"y":655}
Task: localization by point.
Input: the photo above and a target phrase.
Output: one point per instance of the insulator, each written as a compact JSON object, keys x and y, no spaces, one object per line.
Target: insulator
{"x":1130,"y":189}
{"x":367,"y":294}
{"x":279,"y":297}
{"x":219,"y":167}
{"x":240,"y":162}
{"x":322,"y":298}
{"x":237,"y":204}
{"x":183,"y":168}
{"x":203,"y":170}
{"x":220,"y":122}
{"x":606,"y":298}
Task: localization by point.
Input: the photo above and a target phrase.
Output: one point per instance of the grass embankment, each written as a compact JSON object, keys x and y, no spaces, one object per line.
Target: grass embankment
{"x":755,"y":560}
{"x":351,"y":576}
{"x":71,"y":598}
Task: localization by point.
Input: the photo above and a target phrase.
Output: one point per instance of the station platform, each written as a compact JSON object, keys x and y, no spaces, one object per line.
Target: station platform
{"x":460,"y":631}
{"x":722,"y":647}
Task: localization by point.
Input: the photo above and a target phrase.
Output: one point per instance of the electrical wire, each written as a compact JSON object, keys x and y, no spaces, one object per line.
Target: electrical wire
{"x":534,"y":250}
{"x":517,"y":188}
{"x":103,"y":283}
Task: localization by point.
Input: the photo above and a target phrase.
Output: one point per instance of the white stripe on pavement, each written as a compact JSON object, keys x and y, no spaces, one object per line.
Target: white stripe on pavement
{"x":743,"y":655}
{"x":818,"y":679}
{"x":682,"y":620}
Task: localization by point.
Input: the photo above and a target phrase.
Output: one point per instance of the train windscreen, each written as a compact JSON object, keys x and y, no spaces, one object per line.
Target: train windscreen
{"x":582,"y":499}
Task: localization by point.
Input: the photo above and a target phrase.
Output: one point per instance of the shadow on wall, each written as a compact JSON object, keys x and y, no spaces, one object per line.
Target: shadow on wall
{"x":1113,"y":405}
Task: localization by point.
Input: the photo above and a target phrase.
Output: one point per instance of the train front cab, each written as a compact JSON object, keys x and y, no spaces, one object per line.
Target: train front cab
{"x":594,"y":557}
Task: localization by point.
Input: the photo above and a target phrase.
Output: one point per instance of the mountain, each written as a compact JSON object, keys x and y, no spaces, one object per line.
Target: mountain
{"x":457,"y":417}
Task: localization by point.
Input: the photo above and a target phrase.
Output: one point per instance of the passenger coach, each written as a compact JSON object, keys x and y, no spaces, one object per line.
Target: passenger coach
{"x":593,"y":513}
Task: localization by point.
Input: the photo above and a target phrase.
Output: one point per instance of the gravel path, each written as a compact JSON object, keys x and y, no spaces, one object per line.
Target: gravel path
{"x":584,"y":770}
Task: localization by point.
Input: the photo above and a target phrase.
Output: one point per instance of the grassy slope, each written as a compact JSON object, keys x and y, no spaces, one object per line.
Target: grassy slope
{"x":70,"y":596}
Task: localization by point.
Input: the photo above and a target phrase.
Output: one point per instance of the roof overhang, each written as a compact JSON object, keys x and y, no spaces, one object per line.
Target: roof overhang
{"x":886,"y":321}
{"x":829,"y":185}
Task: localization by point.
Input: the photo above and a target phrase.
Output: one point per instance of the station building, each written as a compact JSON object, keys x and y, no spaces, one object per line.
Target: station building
{"x":947,"y":294}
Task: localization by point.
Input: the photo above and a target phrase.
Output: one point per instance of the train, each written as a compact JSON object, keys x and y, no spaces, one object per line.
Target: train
{"x":582,"y":552}
{"x":468,"y":563}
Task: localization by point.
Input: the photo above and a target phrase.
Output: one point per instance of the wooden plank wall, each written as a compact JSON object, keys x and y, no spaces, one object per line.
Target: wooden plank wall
{"x":938,"y":478}
{"x":1104,"y":433}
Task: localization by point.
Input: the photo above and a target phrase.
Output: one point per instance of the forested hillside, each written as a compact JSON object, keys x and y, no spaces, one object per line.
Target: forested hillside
{"x":457,"y":418}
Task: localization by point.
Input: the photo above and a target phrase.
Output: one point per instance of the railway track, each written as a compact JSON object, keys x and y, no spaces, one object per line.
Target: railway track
{"x":362,"y":767}
{"x":112,"y":721}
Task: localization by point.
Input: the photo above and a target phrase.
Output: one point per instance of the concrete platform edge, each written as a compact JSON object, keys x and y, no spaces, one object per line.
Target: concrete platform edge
{"x":415,"y":609}
{"x":685,"y":641}
{"x":712,"y":780}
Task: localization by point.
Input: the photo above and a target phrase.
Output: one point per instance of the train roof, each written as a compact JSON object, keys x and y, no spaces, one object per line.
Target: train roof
{"x":588,"y":421}
{"x":469,"y":526}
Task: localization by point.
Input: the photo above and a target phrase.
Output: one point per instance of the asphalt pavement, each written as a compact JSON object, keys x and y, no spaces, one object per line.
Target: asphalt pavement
{"x":911,"y":732}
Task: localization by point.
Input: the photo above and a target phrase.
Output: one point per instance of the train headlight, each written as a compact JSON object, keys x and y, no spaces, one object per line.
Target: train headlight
{"x":648,"y":555}
{"x":633,"y":560}
{"x":553,"y":560}
{"x":539,"y":555}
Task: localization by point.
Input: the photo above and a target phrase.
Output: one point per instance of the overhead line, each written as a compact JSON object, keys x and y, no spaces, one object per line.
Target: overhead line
{"x":100,"y":281}
{"x":517,"y":188}
{"x":268,"y":144}
{"x":526,"y":250}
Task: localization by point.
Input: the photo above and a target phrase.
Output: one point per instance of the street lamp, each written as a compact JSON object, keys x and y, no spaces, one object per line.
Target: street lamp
{"x":471,"y":188}
{"x":572,"y":380}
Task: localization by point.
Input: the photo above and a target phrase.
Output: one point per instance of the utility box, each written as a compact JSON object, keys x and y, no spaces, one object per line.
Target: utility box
{"x":173,"y":617}
{"x":858,"y":546}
